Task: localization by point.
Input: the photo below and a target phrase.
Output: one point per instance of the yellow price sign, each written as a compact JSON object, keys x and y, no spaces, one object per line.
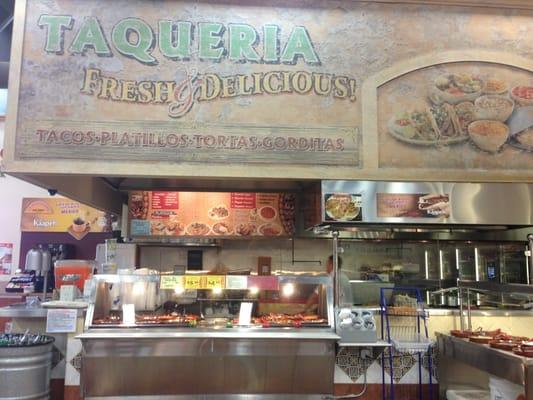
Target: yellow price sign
{"x":171,"y":281}
{"x":193,"y":282}
{"x":215,"y":281}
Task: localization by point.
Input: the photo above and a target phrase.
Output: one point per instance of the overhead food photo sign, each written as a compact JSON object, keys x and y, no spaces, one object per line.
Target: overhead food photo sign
{"x":343,"y":87}
{"x":156,"y":213}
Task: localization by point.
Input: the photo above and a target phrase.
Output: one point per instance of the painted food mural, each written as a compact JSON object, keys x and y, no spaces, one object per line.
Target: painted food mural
{"x":457,"y":115}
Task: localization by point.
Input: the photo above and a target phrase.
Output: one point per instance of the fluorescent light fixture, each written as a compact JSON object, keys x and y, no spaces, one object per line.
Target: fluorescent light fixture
{"x":441,"y":266}
{"x":426,"y":261}
{"x":476,"y":261}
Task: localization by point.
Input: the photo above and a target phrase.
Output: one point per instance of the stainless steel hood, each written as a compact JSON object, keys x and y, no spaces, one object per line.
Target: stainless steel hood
{"x":177,"y":242}
{"x":408,"y":206}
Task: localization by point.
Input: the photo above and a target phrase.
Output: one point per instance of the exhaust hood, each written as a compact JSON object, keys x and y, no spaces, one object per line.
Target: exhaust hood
{"x":417,"y":207}
{"x":176,"y":242}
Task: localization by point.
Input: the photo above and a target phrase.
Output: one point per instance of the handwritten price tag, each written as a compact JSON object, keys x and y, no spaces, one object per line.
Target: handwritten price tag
{"x":215,"y":281}
{"x":193,"y":282}
{"x":171,"y":281}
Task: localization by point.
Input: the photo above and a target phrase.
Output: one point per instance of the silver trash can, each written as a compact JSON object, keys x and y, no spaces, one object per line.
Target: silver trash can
{"x":25,"y":366}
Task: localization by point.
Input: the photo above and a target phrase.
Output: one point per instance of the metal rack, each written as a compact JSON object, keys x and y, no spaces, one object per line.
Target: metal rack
{"x":467,"y":287}
{"x":406,"y":329}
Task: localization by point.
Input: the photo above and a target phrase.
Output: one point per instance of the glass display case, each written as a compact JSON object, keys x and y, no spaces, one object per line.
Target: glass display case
{"x":222,"y":336}
{"x":210,"y":301}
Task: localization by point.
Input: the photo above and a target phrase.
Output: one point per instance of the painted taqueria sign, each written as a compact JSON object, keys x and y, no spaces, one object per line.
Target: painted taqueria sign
{"x":353,"y":89}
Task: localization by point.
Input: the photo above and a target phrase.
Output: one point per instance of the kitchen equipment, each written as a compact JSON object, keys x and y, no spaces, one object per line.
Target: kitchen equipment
{"x":124,"y":257}
{"x":46,"y":265}
{"x":73,"y":272}
{"x":452,"y":300}
{"x":34,"y":260}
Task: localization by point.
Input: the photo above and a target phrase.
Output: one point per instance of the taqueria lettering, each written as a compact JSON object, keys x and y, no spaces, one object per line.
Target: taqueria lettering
{"x":205,"y":87}
{"x":177,"y":40}
{"x":188,"y":141}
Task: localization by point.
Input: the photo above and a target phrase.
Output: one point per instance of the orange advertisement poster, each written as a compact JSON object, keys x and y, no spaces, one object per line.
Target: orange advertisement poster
{"x":62,"y":215}
{"x":211,"y":214}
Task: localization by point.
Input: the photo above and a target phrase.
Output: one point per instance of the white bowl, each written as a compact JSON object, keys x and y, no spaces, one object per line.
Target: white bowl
{"x":488,"y":135}
{"x":486,"y":107}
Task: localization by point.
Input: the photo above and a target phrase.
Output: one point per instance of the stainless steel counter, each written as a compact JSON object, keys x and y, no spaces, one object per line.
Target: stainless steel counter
{"x":218,"y":397}
{"x":500,"y":363}
{"x":222,"y":333}
{"x":23,"y":311}
{"x":232,"y":362}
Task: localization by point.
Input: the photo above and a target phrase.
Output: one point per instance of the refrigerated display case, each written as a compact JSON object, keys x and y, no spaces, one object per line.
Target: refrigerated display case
{"x":218,"y":335}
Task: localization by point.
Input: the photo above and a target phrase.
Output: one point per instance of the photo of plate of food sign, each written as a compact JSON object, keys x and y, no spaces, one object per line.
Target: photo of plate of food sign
{"x":198,"y":229}
{"x":245,"y":229}
{"x":342,"y":207}
{"x":219,"y":212}
{"x":270,"y":229}
{"x":222,"y":228}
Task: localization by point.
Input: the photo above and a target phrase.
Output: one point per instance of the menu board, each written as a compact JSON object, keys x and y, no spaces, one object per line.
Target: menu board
{"x":211,"y":214}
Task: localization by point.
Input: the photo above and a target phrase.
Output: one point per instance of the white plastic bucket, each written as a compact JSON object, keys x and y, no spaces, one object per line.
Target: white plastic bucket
{"x":501,"y":389}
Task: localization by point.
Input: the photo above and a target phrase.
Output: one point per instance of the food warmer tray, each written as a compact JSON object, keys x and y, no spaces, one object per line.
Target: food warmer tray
{"x":503,"y":364}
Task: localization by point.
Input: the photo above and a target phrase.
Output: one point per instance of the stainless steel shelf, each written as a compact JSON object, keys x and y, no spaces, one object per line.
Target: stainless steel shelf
{"x":496,"y":287}
{"x":222,"y":333}
{"x":22,"y":311}
{"x":500,"y":363}
{"x":379,"y":343}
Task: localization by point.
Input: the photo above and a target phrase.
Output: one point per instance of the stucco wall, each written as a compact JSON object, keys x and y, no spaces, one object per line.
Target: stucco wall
{"x":11,"y":193}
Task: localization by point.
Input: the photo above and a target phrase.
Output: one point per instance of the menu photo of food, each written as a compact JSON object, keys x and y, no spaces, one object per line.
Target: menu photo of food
{"x":467,"y":112}
{"x":211,"y":214}
{"x":413,"y":205}
{"x":342,"y":207}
